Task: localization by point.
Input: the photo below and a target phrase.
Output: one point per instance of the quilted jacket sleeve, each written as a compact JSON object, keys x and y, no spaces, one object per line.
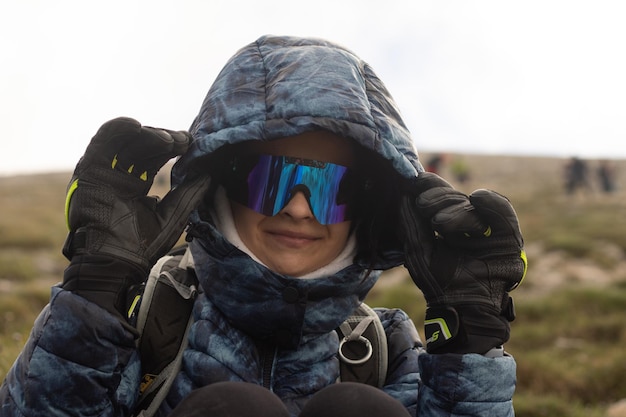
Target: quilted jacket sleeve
{"x":444,"y":385}
{"x":466,"y":385}
{"x":78,"y":361}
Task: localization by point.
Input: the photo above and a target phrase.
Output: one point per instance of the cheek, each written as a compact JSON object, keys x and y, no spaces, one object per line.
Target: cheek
{"x":339,"y":233}
{"x":245,"y":221}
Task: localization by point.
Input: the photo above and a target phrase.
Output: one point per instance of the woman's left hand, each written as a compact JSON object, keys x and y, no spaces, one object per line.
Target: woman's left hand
{"x":465,"y":253}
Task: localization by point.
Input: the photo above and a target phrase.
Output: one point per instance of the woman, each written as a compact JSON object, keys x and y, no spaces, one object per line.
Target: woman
{"x":301,"y":183}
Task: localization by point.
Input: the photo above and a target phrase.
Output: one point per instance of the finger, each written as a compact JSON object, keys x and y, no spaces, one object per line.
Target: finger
{"x":177,"y":144}
{"x":426,"y":181}
{"x":440,"y":206}
{"x":147,"y":149}
{"x":416,"y":228}
{"x":124,"y":145}
{"x":432,"y":193}
{"x":182,"y":140}
{"x":174,"y":209}
{"x":109,"y":140}
{"x":459,"y":220}
{"x":496,"y":210}
{"x":419,"y":241}
{"x":145,"y":153}
{"x":434,"y":200}
{"x":184,"y":198}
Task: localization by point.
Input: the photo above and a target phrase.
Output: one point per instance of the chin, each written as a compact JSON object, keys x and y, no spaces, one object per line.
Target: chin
{"x":293,"y":271}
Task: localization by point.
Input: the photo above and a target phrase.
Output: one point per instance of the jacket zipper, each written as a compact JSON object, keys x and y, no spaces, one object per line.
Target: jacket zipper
{"x":267,"y":352}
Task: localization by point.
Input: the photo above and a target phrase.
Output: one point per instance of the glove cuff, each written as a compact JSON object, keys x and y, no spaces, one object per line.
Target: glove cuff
{"x":108,"y":282}
{"x":465,"y":329}
{"x":76,"y":246}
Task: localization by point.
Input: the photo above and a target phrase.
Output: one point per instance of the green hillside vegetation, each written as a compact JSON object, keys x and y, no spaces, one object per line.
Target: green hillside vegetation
{"x":569,"y":335}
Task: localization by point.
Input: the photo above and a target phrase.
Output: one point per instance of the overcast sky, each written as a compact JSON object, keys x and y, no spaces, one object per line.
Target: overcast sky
{"x":538,"y":77}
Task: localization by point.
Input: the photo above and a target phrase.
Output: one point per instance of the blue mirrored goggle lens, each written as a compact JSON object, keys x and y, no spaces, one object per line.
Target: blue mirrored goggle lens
{"x":274,"y":180}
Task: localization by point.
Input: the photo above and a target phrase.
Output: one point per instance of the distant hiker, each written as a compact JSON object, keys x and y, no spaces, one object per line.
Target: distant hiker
{"x":460,"y":170}
{"x":606,"y":176}
{"x":434,"y":163}
{"x":576,"y":176}
{"x":298,"y":183}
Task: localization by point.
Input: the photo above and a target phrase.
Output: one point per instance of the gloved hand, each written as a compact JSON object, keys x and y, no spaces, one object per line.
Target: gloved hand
{"x":465,"y":253}
{"x":117,"y":232}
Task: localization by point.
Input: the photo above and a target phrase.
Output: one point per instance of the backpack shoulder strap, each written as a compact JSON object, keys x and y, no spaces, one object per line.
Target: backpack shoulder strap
{"x":163,"y":324}
{"x":363,"y":352}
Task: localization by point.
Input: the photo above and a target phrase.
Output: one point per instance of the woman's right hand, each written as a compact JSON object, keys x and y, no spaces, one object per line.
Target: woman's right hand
{"x":117,"y":232}
{"x":108,"y":211}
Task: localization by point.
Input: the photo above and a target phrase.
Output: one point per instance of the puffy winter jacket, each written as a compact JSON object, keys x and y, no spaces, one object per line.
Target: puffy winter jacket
{"x":80,"y":360}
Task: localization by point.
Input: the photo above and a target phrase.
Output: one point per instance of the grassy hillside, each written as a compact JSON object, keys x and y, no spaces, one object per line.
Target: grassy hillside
{"x":569,"y":335}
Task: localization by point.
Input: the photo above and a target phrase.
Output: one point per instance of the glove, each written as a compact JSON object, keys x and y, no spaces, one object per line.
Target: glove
{"x":465,"y":253}
{"x":117,"y":232}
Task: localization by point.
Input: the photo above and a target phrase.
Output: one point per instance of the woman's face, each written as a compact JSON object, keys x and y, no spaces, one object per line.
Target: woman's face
{"x":293,"y":242}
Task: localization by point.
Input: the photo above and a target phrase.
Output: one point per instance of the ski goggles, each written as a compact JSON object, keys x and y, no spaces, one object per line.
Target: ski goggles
{"x":266,"y":184}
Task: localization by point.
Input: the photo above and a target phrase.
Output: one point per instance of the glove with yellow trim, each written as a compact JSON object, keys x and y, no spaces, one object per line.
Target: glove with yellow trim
{"x":465,"y":253}
{"x":117,"y":232}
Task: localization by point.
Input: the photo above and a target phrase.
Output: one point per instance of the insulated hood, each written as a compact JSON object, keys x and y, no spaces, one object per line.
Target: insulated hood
{"x":283,"y":86}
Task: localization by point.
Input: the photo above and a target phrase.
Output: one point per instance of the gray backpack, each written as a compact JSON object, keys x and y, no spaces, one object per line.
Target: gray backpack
{"x":164,"y":318}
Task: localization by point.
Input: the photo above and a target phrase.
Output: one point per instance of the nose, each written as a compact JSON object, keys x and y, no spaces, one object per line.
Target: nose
{"x":298,"y":207}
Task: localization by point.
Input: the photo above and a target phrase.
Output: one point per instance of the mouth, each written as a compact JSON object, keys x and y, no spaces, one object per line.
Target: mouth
{"x":292,"y":239}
